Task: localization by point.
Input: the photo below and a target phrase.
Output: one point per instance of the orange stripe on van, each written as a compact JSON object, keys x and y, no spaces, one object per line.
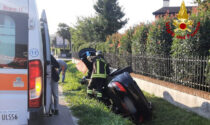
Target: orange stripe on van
{"x":9,"y":82}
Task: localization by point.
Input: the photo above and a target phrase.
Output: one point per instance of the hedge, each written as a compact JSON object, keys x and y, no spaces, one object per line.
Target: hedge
{"x":158,"y":45}
{"x":197,"y":44}
{"x":140,"y":39}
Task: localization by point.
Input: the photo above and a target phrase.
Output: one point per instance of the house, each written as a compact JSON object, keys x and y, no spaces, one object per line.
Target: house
{"x":170,"y":10}
{"x":58,"y":48}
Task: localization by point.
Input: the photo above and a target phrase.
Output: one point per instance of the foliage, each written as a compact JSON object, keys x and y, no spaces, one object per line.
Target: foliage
{"x":96,"y":29}
{"x":101,"y":46}
{"x":159,"y":40}
{"x":110,"y":17}
{"x":64,"y":32}
{"x":140,"y":39}
{"x":196,"y":45}
{"x":85,"y":45}
{"x":126,"y":42}
{"x":113,"y":43}
{"x":120,"y":43}
{"x":158,"y":44}
{"x":83,"y":33}
{"x":204,"y":5}
{"x":87,"y":28}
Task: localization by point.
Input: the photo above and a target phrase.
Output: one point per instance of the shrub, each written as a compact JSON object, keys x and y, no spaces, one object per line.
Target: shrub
{"x":140,"y":39}
{"x":113,"y":43}
{"x":193,"y":47}
{"x":159,"y":40}
{"x":101,"y":46}
{"x":126,"y":41}
{"x":158,"y":45}
{"x":85,"y":45}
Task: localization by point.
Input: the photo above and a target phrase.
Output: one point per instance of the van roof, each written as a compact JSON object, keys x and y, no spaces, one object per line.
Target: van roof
{"x":19,"y":6}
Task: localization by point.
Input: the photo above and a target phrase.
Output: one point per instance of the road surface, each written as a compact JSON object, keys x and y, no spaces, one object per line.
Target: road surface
{"x":64,"y":118}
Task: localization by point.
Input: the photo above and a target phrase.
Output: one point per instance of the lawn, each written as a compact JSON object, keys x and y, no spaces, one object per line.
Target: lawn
{"x":92,"y":112}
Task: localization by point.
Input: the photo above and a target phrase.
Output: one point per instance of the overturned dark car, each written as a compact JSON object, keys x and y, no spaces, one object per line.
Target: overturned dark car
{"x":121,"y":92}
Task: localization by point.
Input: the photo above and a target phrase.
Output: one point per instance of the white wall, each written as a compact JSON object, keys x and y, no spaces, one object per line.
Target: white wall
{"x":190,"y":102}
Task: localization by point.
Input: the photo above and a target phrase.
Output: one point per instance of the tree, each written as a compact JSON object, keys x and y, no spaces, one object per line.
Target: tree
{"x":85,"y":32}
{"x":87,"y":28}
{"x":110,"y":17}
{"x":64,"y":32}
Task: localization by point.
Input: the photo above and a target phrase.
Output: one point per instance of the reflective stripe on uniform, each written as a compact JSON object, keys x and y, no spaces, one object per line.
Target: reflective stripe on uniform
{"x":98,"y":75}
{"x":89,"y":91}
{"x":105,"y":68}
{"x":99,"y":94}
{"x":97,"y":66}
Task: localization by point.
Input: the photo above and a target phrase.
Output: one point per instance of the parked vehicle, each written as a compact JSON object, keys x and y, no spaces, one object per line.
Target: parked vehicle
{"x":25,"y":70}
{"x":122,"y":92}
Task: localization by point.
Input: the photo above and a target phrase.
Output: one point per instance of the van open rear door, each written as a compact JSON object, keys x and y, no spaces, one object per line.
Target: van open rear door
{"x":47,"y":62}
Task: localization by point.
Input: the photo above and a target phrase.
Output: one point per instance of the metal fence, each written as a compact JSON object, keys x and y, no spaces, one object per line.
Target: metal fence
{"x":187,"y":71}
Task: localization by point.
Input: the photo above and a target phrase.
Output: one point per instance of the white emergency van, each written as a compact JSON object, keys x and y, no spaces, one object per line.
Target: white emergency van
{"x":25,"y":70}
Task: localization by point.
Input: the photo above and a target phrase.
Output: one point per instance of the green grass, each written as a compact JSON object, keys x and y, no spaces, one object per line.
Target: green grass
{"x":165,"y":113}
{"x":91,"y":112}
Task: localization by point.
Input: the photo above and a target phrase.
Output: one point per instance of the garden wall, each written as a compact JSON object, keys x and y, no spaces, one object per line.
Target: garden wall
{"x":181,"y":96}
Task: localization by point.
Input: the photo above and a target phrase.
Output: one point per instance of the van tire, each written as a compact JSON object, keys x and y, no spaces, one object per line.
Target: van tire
{"x":34,"y":115}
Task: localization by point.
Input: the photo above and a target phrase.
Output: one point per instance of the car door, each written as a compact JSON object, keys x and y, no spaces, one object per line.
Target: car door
{"x":47,"y":62}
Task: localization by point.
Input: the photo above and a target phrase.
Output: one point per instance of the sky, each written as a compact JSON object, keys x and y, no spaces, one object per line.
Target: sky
{"x":67,"y":11}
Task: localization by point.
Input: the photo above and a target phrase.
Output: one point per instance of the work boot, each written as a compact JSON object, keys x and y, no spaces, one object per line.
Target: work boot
{"x":56,"y":112}
{"x":52,"y":111}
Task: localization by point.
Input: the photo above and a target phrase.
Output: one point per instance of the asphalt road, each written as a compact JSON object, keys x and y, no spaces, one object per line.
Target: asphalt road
{"x":64,"y":118}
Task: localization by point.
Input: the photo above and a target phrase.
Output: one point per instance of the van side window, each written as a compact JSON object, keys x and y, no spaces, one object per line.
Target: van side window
{"x":13,"y":40}
{"x":7,"y":39}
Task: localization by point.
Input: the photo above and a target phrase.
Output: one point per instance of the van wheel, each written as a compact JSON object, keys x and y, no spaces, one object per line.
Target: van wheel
{"x":34,"y":115}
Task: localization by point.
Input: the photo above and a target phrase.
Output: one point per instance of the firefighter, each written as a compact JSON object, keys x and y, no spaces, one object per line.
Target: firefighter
{"x":99,"y":74}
